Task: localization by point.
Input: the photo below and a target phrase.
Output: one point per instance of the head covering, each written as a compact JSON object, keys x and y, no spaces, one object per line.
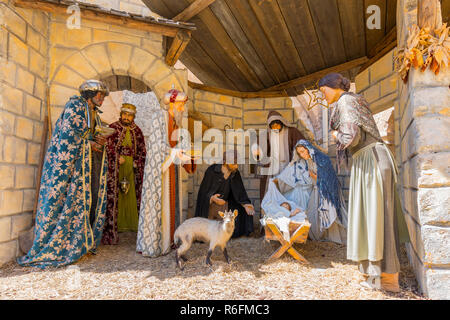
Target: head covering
{"x":327,"y":181}
{"x":175,"y":96}
{"x":128,"y":107}
{"x":94,"y":85}
{"x":275,"y":115}
{"x":335,"y":81}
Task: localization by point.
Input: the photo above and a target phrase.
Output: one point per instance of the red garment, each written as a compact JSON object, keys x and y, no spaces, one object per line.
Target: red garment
{"x":114,"y":150}
{"x":189,"y":167}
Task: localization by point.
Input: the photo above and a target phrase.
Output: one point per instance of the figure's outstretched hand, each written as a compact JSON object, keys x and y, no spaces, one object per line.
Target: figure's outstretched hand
{"x":216,"y":199}
{"x":295,"y":212}
{"x":249,"y":209}
{"x":184,"y":158}
{"x":100,"y":140}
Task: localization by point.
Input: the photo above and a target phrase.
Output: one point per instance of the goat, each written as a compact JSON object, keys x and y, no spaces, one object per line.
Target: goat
{"x":217,"y":233}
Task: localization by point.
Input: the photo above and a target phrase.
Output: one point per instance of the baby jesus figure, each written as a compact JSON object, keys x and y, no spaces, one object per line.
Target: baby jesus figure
{"x":287,"y":206}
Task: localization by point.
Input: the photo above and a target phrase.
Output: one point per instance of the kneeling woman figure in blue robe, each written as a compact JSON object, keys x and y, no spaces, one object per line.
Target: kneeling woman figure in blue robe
{"x":311,"y":183}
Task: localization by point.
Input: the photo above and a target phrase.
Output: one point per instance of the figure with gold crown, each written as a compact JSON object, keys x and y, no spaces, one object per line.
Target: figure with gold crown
{"x":126,"y":160}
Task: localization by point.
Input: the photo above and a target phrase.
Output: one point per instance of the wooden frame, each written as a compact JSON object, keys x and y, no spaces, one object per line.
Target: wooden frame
{"x":298,"y":234}
{"x":192,"y":10}
{"x":239,"y":94}
{"x":177,"y":47}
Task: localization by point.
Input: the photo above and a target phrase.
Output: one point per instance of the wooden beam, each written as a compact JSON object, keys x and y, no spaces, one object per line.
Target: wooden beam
{"x":97,"y":15}
{"x":317,"y":75}
{"x":179,"y":43}
{"x":193,"y":9}
{"x":239,"y":94}
{"x":379,"y":55}
{"x":390,"y":37}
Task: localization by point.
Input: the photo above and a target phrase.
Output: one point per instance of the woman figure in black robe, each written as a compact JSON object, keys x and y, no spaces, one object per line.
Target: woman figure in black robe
{"x":222,"y":189}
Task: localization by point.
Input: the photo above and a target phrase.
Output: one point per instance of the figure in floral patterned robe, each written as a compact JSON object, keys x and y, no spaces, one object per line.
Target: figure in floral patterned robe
{"x":69,"y":220}
{"x":126,"y":160}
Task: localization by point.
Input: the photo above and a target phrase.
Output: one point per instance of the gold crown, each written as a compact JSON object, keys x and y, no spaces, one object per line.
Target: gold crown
{"x":128,"y":107}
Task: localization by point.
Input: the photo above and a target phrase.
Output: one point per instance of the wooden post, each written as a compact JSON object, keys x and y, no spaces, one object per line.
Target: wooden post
{"x":179,"y":43}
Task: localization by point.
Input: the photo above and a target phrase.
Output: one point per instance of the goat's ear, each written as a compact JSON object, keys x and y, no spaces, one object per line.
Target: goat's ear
{"x":221,"y":214}
{"x":235,"y":212}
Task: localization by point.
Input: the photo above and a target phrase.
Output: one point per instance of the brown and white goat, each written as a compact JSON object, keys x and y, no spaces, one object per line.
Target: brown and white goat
{"x":217,"y":233}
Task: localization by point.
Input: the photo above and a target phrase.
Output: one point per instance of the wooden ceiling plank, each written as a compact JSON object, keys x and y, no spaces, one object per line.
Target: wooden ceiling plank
{"x":272,"y":22}
{"x":353,"y":27}
{"x":235,"y":32}
{"x":319,"y":74}
{"x":391,"y":15}
{"x":326,"y":19}
{"x":374,"y":36}
{"x":179,"y":43}
{"x":211,"y":66}
{"x":192,"y":10}
{"x":255,"y":34}
{"x":386,"y":41}
{"x":301,"y":27}
{"x":218,"y":32}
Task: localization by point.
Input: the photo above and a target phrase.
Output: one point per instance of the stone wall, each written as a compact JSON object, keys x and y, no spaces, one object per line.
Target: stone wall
{"x":38,"y":51}
{"x":23,"y":67}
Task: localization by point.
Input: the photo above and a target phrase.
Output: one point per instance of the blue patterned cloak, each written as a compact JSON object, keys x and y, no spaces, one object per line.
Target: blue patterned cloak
{"x":63,"y":233}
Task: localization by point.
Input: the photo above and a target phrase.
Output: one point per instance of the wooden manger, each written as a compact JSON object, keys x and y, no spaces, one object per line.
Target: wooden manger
{"x":298,"y":234}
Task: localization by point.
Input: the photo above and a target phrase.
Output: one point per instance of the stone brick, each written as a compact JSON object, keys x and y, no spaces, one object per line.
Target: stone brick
{"x":14,"y":150}
{"x":434,"y":204}
{"x":8,"y":251}
{"x":33,"y":38}
{"x":154,"y":47}
{"x":33,"y":107}
{"x":40,"y":22}
{"x":218,"y":109}
{"x":437,"y":284}
{"x":104,"y":36}
{"x":20,"y":223}
{"x":43,"y":47}
{"x":157,"y":71}
{"x":372,"y":93}
{"x":415,"y":236}
{"x":436,"y":241}
{"x":220,"y":122}
{"x":12,"y":99}
{"x":82,"y":66}
{"x":25,"y":177}
{"x":68,"y":77}
{"x":10,"y":202}
{"x":275,"y":103}
{"x":29,"y":196}
{"x":139,"y":62}
{"x":5,"y":229}
{"x":8,"y":71}
{"x":38,"y":64}
{"x":389,"y":85}
{"x":70,"y":38}
{"x":382,"y":68}
{"x":427,"y":78}
{"x":57,"y":57}
{"x":24,"y":128}
{"x":234,"y":112}
{"x":237,"y":123}
{"x":25,"y":80}
{"x":120,"y":57}
{"x":430,"y":170}
{"x":18,"y":50}
{"x":260,"y":117}
{"x":14,"y":23}
{"x":7,"y":121}
{"x":433,"y":134}
{"x":362,"y":80}
{"x":7,"y":173}
{"x":253,"y":103}
{"x":40,"y":89}
{"x":59,"y":96}
{"x":225,"y":100}
{"x":34,"y":151}
{"x":98,"y":58}
{"x":383,"y":103}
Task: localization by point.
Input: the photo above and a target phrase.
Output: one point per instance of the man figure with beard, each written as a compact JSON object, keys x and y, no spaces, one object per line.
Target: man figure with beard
{"x":126,"y":159}
{"x":72,"y":195}
{"x":222,"y":189}
{"x":161,"y":210}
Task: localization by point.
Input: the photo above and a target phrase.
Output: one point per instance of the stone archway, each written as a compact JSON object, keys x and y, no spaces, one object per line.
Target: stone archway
{"x":101,"y":60}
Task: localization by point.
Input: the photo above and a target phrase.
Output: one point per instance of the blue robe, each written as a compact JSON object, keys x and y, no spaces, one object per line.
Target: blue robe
{"x":63,"y":233}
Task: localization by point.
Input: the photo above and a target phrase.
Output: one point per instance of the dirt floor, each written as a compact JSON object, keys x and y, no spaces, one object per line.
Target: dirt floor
{"x":117,"y":272}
